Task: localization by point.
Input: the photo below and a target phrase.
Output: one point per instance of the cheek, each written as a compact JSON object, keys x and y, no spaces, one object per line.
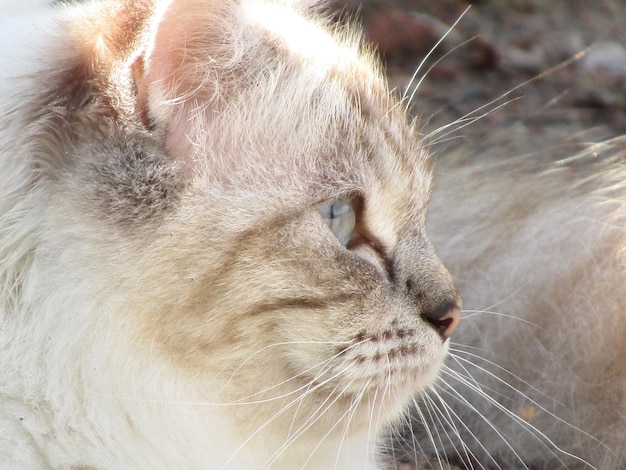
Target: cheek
{"x":215,"y":313}
{"x":214,"y":328}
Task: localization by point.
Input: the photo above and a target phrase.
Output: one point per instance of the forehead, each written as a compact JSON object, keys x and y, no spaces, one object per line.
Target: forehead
{"x":337,"y":124}
{"x":302,"y":36}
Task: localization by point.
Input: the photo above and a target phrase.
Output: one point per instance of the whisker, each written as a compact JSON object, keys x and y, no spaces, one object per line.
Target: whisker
{"x":274,"y":345}
{"x":415,"y":445}
{"x":311,"y":421}
{"x":467,"y":314}
{"x":426,"y":428}
{"x":445,"y":417}
{"x":457,"y":358}
{"x":452,"y":392}
{"x":311,"y":382}
{"x":539,"y":435}
{"x":452,"y":416}
{"x":304,"y":372}
{"x":371,"y":420}
{"x":238,"y":402}
{"x":525,"y":397}
{"x":425,"y":59}
{"x":434,"y":418}
{"x":354,"y":407}
{"x":385,"y":391}
{"x":322,"y":408}
{"x":471,"y":117}
{"x":409,"y":102}
{"x":464,"y":121}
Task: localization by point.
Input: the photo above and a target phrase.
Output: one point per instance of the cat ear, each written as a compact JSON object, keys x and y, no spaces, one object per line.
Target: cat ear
{"x":196,"y":54}
{"x":179,"y":75}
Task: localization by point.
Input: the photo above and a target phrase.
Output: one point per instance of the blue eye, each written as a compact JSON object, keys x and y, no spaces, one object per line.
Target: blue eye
{"x":340,"y":217}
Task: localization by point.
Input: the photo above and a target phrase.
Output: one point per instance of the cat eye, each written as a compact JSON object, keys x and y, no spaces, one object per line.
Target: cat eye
{"x":340,"y":216}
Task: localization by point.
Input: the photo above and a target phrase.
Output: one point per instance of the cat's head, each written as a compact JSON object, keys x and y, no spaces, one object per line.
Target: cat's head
{"x":243,"y":202}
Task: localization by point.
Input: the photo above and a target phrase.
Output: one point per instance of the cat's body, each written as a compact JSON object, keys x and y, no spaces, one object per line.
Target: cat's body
{"x":536,"y":245}
{"x":171,"y":297}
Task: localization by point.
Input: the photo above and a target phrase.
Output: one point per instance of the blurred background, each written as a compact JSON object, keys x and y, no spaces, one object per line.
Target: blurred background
{"x":538,"y":73}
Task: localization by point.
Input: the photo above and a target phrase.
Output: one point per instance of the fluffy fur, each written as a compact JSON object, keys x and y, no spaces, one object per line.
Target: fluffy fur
{"x":169,"y":295}
{"x":537,"y":377}
{"x":171,"y":298}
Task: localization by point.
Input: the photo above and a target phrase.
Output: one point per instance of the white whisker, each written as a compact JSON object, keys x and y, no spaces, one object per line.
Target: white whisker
{"x":322,"y":409}
{"x":321,"y":365}
{"x":452,"y":416}
{"x":455,"y":394}
{"x":539,"y":435}
{"x":426,"y":428}
{"x":425,"y":59}
{"x":445,"y":419}
{"x":353,"y":408}
{"x":274,"y":345}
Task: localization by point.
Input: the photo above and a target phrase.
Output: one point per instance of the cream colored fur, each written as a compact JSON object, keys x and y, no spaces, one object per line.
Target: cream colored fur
{"x":169,"y":295}
{"x":171,"y":298}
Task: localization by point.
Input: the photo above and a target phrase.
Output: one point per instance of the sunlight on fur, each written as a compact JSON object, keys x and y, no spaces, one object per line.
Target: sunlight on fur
{"x":215,"y":254}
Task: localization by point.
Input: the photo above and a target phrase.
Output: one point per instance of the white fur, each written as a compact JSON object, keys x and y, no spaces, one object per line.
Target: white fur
{"x":89,"y":365}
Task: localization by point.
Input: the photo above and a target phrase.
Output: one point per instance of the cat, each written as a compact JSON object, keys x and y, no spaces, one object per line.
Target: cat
{"x":214,"y":254}
{"x":212,"y":244}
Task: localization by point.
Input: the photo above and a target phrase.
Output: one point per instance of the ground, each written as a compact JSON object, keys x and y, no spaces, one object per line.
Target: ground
{"x":541,"y":73}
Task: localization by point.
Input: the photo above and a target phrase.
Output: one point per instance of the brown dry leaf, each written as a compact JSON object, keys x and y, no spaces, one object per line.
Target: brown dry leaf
{"x":528,"y":413}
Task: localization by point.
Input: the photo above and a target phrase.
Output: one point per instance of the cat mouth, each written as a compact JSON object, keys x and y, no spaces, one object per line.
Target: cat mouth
{"x":379,"y":379}
{"x":394,"y":360}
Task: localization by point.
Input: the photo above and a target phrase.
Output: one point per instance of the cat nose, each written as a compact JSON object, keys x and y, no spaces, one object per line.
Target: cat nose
{"x":444,"y":318}
{"x":428,"y":285}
